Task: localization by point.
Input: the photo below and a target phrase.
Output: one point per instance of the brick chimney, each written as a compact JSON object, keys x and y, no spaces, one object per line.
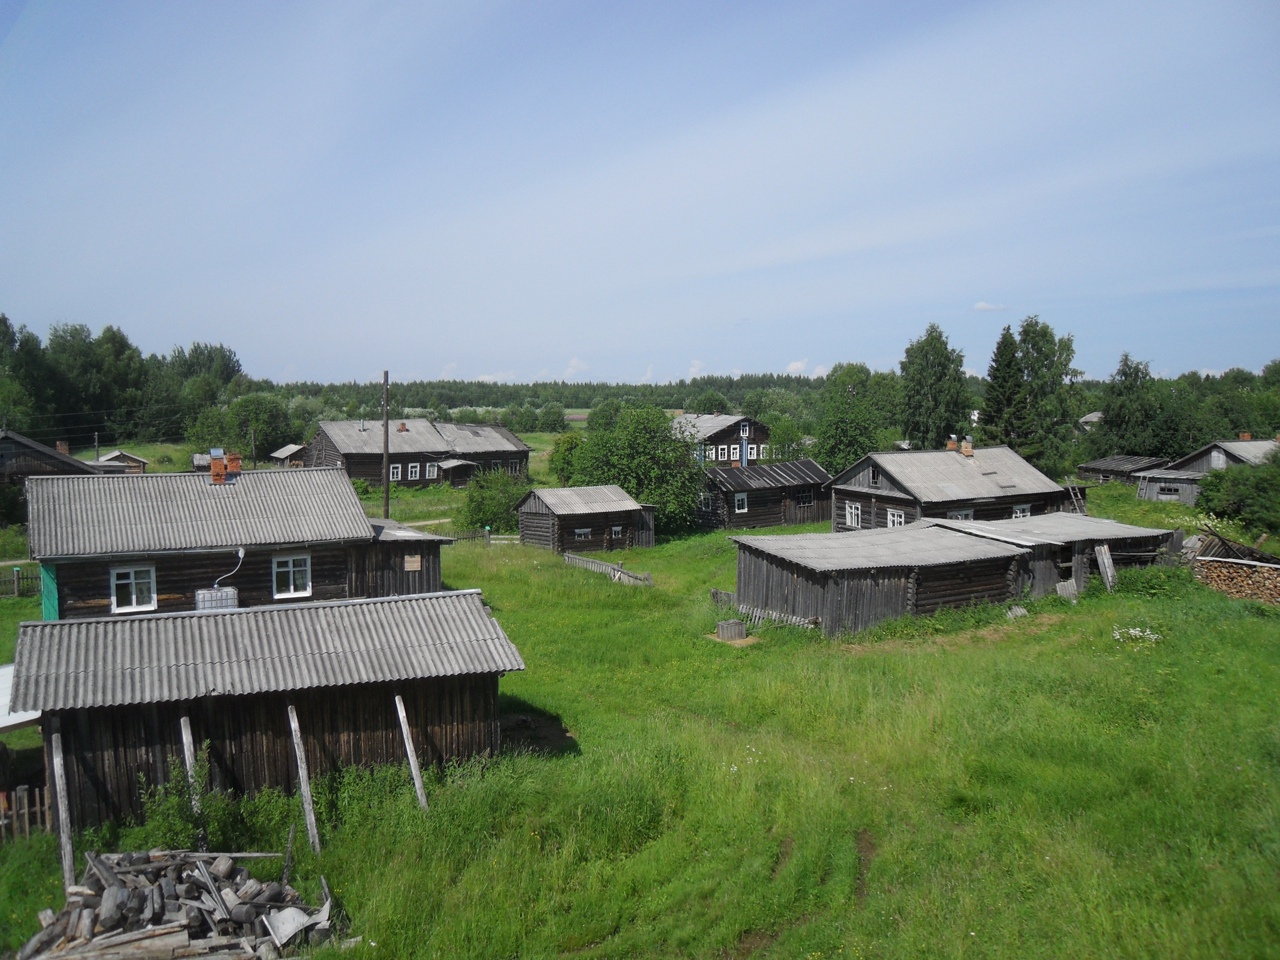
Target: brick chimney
{"x":966,"y":447}
{"x":1246,"y":435}
{"x":403,"y":428}
{"x":63,"y":447}
{"x":952,"y":443}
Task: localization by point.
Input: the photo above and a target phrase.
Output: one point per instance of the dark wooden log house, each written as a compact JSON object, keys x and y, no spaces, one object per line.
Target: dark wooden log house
{"x":124,"y":699}
{"x":126,"y":545}
{"x":1118,"y":469}
{"x":766,"y":495}
{"x":583,"y":519}
{"x":724,"y":440}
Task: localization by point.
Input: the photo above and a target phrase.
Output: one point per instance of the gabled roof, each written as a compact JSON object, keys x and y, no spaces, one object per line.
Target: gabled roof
{"x":141,"y":513}
{"x":1051,"y":528}
{"x":699,"y":426}
{"x":770,"y":476}
{"x":123,"y":455}
{"x":71,"y":664}
{"x":915,"y":545}
{"x":574,"y":501}
{"x":942,"y":476}
{"x":1250,"y":451}
{"x":421,"y":436}
{"x":71,"y":463}
{"x":1123,"y":464}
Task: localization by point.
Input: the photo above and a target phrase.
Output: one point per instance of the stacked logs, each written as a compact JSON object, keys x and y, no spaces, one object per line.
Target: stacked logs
{"x":1241,"y":579}
{"x":175,"y":904}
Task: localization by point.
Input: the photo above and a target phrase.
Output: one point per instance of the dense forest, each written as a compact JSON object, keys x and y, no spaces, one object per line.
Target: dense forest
{"x":81,"y":388}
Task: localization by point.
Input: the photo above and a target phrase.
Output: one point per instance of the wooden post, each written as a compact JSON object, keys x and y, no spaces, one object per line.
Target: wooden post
{"x":304,"y":780}
{"x":64,"y":810}
{"x":413,"y":755}
{"x":386,"y":449}
{"x":189,"y":761}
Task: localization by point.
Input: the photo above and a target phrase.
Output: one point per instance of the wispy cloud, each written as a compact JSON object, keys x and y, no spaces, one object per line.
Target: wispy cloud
{"x":982,"y":306}
{"x":797,"y":367}
{"x":820,"y":370}
{"x":695,"y":369}
{"x":576,"y":366}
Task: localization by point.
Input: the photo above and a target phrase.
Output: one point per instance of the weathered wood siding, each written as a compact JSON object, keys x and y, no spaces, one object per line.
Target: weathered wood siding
{"x":250,"y":744}
{"x":731,"y":437}
{"x":1179,"y":490}
{"x":877,"y":506}
{"x":960,"y":584}
{"x":19,"y":461}
{"x":875,"y":509}
{"x":384,"y":569}
{"x":766,"y":508}
{"x":321,"y":452}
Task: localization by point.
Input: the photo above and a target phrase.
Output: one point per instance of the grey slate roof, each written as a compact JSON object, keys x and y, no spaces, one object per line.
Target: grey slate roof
{"x":422,"y":436}
{"x":915,"y":545}
{"x":770,"y":476}
{"x":1053,"y":528}
{"x":1167,"y":474}
{"x":157,"y":512}
{"x":941,"y":476}
{"x":574,"y":501}
{"x":389,"y":530}
{"x":122,"y":455}
{"x":68,"y":664}
{"x":1250,"y":451}
{"x":699,"y":426}
{"x":288,"y":450}
{"x":1123,"y":464}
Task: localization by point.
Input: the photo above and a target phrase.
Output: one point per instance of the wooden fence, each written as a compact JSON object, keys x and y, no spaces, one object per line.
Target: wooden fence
{"x":754,"y":615}
{"x":613,"y":570}
{"x":23,"y":811}
{"x":20,"y":584}
{"x":490,"y":539}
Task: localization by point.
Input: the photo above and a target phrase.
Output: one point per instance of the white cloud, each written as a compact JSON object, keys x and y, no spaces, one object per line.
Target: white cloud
{"x":797,"y":367}
{"x":576,"y":366}
{"x":982,"y":305}
{"x":820,"y":370}
{"x":648,"y":375}
{"x":695,"y":368}
{"x":505,"y":377}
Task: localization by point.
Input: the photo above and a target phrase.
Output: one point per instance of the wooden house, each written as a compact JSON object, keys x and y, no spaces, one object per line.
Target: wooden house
{"x":1169,"y":486}
{"x":22,"y":458}
{"x":350,"y":683}
{"x":161,"y":542}
{"x":1062,"y":545}
{"x":851,"y":581}
{"x":724,"y":440}
{"x":893,"y":488}
{"x":131,"y":462}
{"x":1120,"y":469}
{"x":580,"y":519}
{"x":1179,"y":482}
{"x":766,"y":495}
{"x":420,"y":452}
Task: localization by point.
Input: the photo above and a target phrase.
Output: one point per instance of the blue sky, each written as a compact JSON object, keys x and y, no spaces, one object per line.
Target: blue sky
{"x":641,"y":192}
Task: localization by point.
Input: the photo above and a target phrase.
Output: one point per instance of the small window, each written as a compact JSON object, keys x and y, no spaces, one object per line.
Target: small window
{"x":395,"y":472}
{"x":708,"y":502}
{"x":962,"y":514}
{"x":853,"y":515}
{"x":739,"y":503}
{"x":724,"y":452}
{"x":413,"y":470}
{"x":764,"y":451}
{"x":433,"y":471}
{"x":515,"y":467}
{"x":895,"y":518}
{"x":615,"y":531}
{"x":751,"y":452}
{"x":133,"y":589}
{"x":292,"y":575}
{"x":1217,"y":460}
{"x":875,"y":476}
{"x":804,"y":498}
{"x":582,"y":533}
{"x":746,"y":429}
{"x":1022,"y":510}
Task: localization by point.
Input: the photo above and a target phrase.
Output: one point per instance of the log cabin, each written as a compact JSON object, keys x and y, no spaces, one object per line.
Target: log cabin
{"x":766,"y":495}
{"x":583,"y":519}
{"x":724,"y":440}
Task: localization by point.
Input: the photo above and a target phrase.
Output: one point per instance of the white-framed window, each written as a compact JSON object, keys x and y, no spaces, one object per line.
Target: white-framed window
{"x":433,"y":471}
{"x":292,"y":575}
{"x":875,"y":476}
{"x":708,"y":502}
{"x":395,"y":472}
{"x":724,"y":452}
{"x":1021,"y":510}
{"x":853,"y":515}
{"x":746,"y":429}
{"x":413,"y":470}
{"x":1217,"y":460}
{"x":804,"y":498}
{"x":751,"y":451}
{"x":895,"y":518}
{"x":764,"y":451}
{"x":962,"y":514}
{"x":582,"y":533}
{"x":615,"y":531}
{"x":739,"y":503}
{"x":133,"y":589}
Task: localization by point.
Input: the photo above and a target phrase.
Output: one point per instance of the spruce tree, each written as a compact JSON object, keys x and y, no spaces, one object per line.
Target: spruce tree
{"x":1004,"y":383}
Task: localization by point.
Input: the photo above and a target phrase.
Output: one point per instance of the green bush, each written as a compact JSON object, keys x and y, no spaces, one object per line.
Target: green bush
{"x":1246,"y":493}
{"x":491,"y":501}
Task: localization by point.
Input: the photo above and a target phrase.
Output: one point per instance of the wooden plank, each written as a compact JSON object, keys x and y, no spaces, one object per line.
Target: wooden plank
{"x":413,"y":754}
{"x":1105,"y":565}
{"x":304,"y":780}
{"x":189,"y":760}
{"x":64,"y":812}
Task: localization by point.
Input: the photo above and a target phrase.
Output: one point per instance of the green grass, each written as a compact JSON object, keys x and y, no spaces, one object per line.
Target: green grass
{"x":414,"y":504}
{"x":1119,"y":501}
{"x":162,"y":457}
{"x":959,"y":785}
{"x":13,"y":544}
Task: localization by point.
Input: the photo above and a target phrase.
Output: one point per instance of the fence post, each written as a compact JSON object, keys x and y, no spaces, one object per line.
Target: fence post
{"x":486,"y":536}
{"x":25,"y":802}
{"x":17,"y":579}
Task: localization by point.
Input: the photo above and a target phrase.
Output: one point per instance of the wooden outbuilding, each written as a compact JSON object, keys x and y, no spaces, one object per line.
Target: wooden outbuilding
{"x":167,"y":542}
{"x":766,"y":495}
{"x":724,"y":440}
{"x":1226,"y":453}
{"x":1120,"y":469}
{"x":290,"y":455}
{"x":420,"y":452}
{"x":365,"y":682}
{"x":851,"y":581}
{"x":582,"y":519}
{"x":1169,"y":486}
{"x":131,"y":462}
{"x":894,"y":488}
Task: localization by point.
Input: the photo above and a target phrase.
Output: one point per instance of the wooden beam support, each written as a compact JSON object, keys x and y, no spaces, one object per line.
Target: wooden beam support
{"x":304,"y":780}
{"x":413,"y":754}
{"x":64,"y":809}
{"x":189,"y":760}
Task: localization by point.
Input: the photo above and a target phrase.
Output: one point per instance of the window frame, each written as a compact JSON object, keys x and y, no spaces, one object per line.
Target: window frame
{"x":414,"y":471}
{"x":874,"y":476}
{"x":740,"y":503}
{"x":751,"y":451}
{"x":433,"y":471}
{"x":1020,"y":512}
{"x":615,"y":531}
{"x":290,"y":559}
{"x":582,"y":533}
{"x":393,"y":473}
{"x":132,"y":570}
{"x":764,"y":451}
{"x":853,"y":515}
{"x":745,"y":429}
{"x":805,"y":497}
{"x":893,"y":517}
{"x":966,"y":514}
{"x":724,"y":452}
{"x":707,"y":502}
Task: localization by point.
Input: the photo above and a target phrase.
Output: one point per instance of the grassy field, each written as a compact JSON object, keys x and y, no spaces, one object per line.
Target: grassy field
{"x":161,"y":457}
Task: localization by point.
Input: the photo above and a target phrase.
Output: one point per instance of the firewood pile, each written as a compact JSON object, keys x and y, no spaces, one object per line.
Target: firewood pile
{"x":1241,"y":580}
{"x":176,"y":904}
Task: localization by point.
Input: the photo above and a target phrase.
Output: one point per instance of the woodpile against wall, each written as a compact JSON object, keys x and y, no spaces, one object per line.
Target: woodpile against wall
{"x":1240,"y":579}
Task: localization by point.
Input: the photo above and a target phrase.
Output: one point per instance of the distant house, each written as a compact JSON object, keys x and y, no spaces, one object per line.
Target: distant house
{"x":365,"y":682}
{"x":1118,"y":468}
{"x":22,"y":458}
{"x":723,"y":439}
{"x":893,"y":488}
{"x":1179,"y":481}
{"x":1090,"y":420}
{"x":131,"y":461}
{"x":290,"y":455}
{"x":160,"y":542}
{"x":766,"y":495}
{"x":421,"y":452}
{"x":1169,"y":486}
{"x":579,"y":519}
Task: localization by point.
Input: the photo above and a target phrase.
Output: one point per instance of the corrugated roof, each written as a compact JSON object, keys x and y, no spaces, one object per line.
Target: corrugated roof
{"x":699,"y":426}
{"x":68,"y":664}
{"x":79,"y":466}
{"x":121,"y":454}
{"x":288,"y":450}
{"x":1250,"y":451}
{"x":915,"y":545}
{"x":421,"y":436}
{"x":12,"y":720}
{"x":1167,"y":474}
{"x":1055,"y":528}
{"x":940,"y":476}
{"x":388,"y":530}
{"x":157,"y":512}
{"x":770,"y":476}
{"x":573,"y":501}
{"x":1123,"y":464}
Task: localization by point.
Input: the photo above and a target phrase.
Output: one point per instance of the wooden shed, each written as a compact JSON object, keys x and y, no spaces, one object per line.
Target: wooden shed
{"x":1226,"y":453}
{"x":724,"y":440}
{"x":852,"y":581}
{"x":581,"y":519}
{"x":767,"y":495}
{"x":1119,"y":469}
{"x":1169,"y":486}
{"x":131,"y":462}
{"x":123,"y":699}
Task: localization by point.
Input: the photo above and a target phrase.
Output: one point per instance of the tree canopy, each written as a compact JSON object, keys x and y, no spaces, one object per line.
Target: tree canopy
{"x":935,"y":401}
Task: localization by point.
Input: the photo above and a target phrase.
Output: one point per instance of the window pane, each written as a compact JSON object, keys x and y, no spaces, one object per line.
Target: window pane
{"x":123,"y":588}
{"x":282,"y":576}
{"x":142,"y":592}
{"x":301,"y":575}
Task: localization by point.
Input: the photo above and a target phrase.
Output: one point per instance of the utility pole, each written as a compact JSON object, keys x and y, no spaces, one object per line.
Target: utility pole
{"x":97,"y":453}
{"x":386,"y":451}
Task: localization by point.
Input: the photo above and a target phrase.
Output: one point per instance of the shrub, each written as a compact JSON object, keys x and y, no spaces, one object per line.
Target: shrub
{"x":491,"y":501}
